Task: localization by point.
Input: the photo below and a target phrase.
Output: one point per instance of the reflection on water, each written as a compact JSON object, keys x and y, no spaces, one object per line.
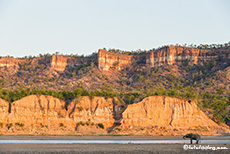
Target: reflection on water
{"x":112,"y":141}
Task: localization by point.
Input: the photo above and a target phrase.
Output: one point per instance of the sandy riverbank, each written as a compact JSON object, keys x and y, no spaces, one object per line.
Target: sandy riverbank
{"x":102,"y":148}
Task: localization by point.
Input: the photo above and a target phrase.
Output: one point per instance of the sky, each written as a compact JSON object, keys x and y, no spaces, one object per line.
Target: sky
{"x":33,"y":27}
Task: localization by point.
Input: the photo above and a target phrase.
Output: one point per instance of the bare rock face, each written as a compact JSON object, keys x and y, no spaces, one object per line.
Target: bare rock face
{"x":35,"y":110}
{"x":228,"y":73}
{"x":166,"y":112}
{"x":59,"y":62}
{"x":107,"y":60}
{"x":9,"y":62}
{"x":170,"y":55}
{"x":167,"y":55}
{"x":4,"y":107}
{"x":155,"y":115}
{"x":86,"y":110}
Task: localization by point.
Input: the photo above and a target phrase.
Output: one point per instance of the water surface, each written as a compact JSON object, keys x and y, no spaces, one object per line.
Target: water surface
{"x":112,"y":141}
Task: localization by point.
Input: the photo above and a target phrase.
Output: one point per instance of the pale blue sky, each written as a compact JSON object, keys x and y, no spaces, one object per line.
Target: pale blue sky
{"x":30,"y":27}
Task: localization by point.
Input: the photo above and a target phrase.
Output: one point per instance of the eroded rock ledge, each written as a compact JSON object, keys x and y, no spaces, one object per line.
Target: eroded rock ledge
{"x":155,"y":115}
{"x":105,"y":60}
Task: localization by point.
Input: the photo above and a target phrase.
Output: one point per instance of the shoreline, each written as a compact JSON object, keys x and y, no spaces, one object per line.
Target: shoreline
{"x":104,"y":148}
{"x":105,"y":137}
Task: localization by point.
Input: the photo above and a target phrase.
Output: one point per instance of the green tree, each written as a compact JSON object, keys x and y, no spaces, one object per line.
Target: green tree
{"x":220,"y":112}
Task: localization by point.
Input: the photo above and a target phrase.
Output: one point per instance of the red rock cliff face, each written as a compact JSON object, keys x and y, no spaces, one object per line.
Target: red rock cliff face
{"x":9,"y":62}
{"x":45,"y":114}
{"x":168,"y":55}
{"x":36,"y":110}
{"x":95,"y":110}
{"x":166,"y":112}
{"x":107,"y":60}
{"x":4,"y":106}
{"x":60,"y":63}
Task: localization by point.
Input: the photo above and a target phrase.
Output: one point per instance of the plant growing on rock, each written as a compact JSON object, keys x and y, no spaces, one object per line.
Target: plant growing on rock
{"x":101,"y":125}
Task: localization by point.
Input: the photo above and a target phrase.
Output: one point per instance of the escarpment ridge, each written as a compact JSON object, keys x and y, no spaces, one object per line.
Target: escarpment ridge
{"x":155,"y":115}
{"x":105,"y":60}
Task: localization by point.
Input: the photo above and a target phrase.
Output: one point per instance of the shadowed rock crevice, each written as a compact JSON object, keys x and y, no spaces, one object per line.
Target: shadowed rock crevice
{"x":117,"y":115}
{"x":9,"y":108}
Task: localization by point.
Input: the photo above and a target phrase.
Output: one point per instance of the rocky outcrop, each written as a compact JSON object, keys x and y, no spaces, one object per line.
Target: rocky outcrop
{"x":108,"y":60}
{"x":60,"y":62}
{"x":38,"y":109}
{"x":38,"y":114}
{"x":9,"y":62}
{"x":92,"y":110}
{"x":167,"y":113}
{"x":170,"y":55}
{"x":105,"y":60}
{"x":4,"y":107}
{"x":167,"y":55}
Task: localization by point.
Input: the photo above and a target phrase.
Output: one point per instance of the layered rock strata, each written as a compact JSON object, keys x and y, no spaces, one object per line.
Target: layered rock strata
{"x":60,"y":63}
{"x":166,"y":112}
{"x":4,"y":107}
{"x":38,"y":114}
{"x":108,"y":60}
{"x":105,"y":60}
{"x":38,"y":110}
{"x":167,"y":55}
{"x":10,"y":62}
{"x":92,"y":110}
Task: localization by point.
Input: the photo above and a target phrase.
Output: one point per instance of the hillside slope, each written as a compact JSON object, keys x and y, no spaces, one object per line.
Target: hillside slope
{"x":200,"y":74}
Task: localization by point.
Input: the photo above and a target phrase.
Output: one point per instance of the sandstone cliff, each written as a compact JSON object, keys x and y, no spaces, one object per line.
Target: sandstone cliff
{"x":95,"y":110}
{"x":4,"y":107}
{"x":168,"y":113}
{"x":107,"y":60}
{"x":36,"y":112}
{"x":167,"y":55}
{"x":170,"y":55}
{"x":156,"y":115}
{"x":60,"y":63}
{"x":10,"y":62}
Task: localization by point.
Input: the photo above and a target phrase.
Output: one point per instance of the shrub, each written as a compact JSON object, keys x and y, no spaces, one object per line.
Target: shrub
{"x":119,"y":129}
{"x":1,"y":124}
{"x":61,"y":124}
{"x":101,"y":125}
{"x":81,"y":123}
{"x":42,"y":125}
{"x":19,"y":124}
{"x":9,"y":125}
{"x":80,"y":108}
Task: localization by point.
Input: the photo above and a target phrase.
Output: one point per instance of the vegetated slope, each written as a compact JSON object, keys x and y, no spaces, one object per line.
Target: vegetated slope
{"x":156,"y":115}
{"x":133,"y":80}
